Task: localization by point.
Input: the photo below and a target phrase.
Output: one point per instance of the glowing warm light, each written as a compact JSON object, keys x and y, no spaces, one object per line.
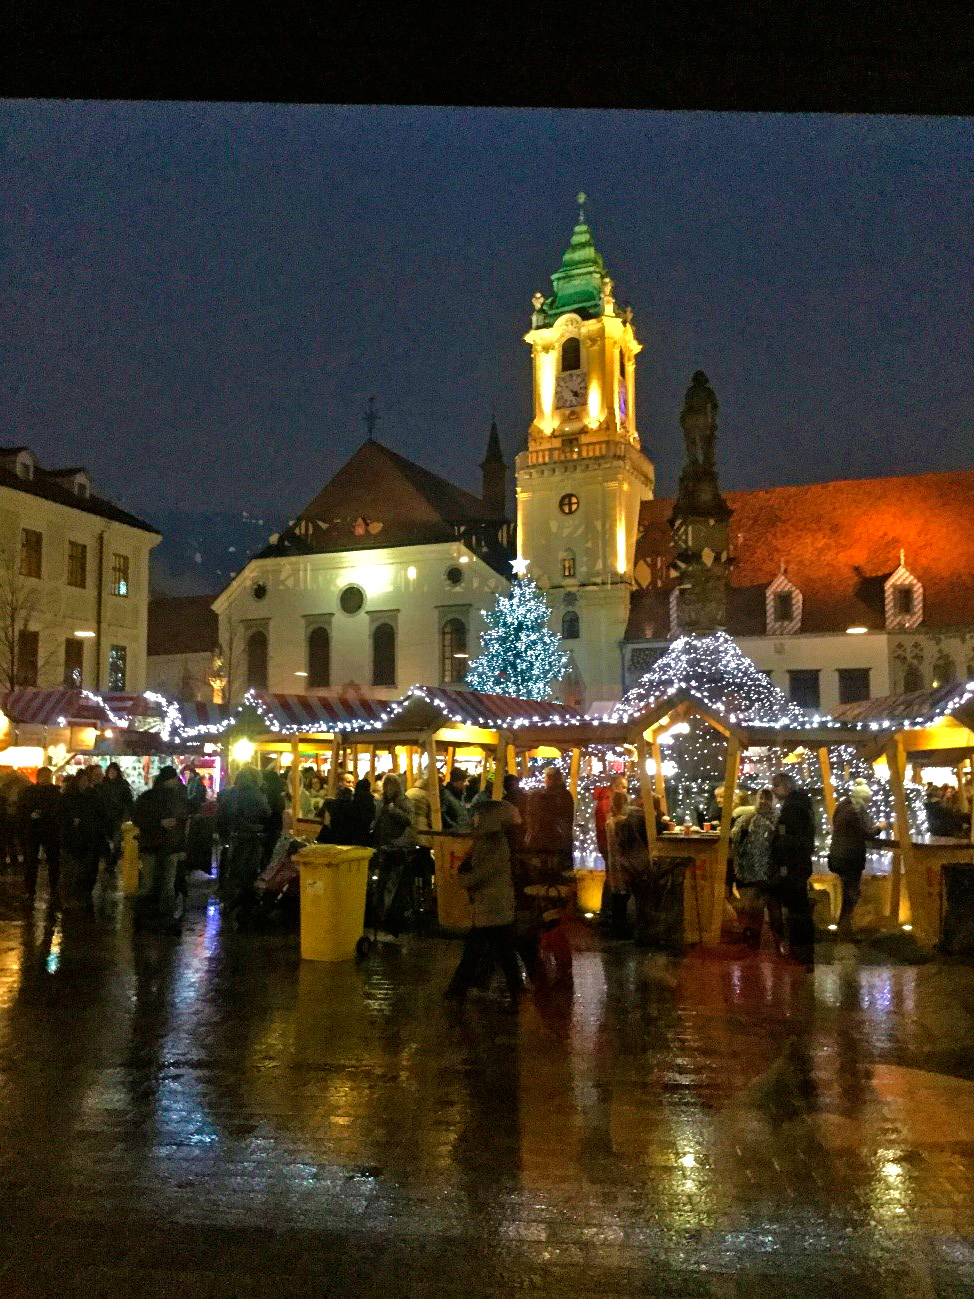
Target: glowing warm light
{"x":589,"y":915}
{"x":907,"y":929}
{"x":856,"y":631}
{"x":85,"y":635}
{"x":594,"y":400}
{"x":108,"y":733}
{"x":372,"y":578}
{"x":300,"y":674}
{"x":546,"y":388}
{"x":689,"y":1161}
{"x":833,"y":927}
{"x":621,"y":546}
{"x":243,"y":750}
{"x":22,"y":755}
{"x":464,"y":559}
{"x":411,"y":572}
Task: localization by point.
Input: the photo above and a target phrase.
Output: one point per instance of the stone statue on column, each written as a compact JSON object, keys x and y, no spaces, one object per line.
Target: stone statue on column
{"x":700,"y":519}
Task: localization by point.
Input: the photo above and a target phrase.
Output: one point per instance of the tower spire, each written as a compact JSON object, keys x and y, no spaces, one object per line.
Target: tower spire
{"x":371,"y":418}
{"x":494,"y":475}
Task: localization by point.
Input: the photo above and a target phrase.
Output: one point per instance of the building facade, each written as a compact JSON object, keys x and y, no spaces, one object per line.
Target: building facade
{"x":839,"y":591}
{"x":380,"y":583}
{"x":74,"y":581}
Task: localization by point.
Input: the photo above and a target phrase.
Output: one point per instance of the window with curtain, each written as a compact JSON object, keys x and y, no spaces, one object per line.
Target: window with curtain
{"x":384,"y":655}
{"x":319,"y":657}
{"x":453,"y":651}
{"x":257,"y":660}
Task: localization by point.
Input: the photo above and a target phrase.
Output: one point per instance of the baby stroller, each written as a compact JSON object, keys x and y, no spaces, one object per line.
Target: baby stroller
{"x":398,"y":896}
{"x":277,"y":889}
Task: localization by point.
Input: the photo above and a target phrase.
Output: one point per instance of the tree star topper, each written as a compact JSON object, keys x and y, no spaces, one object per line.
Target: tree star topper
{"x":520,"y":566}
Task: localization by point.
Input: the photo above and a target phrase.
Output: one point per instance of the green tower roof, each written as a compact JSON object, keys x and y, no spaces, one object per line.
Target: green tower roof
{"x":578,"y":281}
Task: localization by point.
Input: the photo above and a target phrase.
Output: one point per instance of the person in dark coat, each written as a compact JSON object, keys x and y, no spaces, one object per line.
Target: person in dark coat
{"x":362,"y":815}
{"x":852,"y":828}
{"x":455,"y":813}
{"x":160,"y":815}
{"x":791,"y":857}
{"x":249,"y":814}
{"x":275,"y":791}
{"x":13,"y":784}
{"x":551,"y":818}
{"x":117,"y":800}
{"x":84,"y":834}
{"x":40,"y":811}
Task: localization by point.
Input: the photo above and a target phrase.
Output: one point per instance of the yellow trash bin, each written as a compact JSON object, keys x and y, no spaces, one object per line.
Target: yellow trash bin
{"x":334,"y":880}
{"x":590,"y":885}
{"x":129,"y":860}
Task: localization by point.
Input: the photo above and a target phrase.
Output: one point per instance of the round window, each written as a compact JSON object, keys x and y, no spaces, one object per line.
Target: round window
{"x":454,"y":575}
{"x":568,"y":503}
{"x":351,"y":599}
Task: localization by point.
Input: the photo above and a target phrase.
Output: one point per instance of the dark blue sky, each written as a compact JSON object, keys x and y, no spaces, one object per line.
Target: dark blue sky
{"x":197,"y":300}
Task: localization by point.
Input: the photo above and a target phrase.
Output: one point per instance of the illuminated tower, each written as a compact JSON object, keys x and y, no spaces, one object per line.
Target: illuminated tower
{"x":582,"y":478}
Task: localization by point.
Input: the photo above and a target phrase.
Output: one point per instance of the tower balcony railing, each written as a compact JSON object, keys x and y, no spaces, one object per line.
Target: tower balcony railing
{"x":570,"y":449}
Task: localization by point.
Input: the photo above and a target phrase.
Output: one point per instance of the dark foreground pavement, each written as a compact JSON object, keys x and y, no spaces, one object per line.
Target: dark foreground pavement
{"x":208,"y":1116}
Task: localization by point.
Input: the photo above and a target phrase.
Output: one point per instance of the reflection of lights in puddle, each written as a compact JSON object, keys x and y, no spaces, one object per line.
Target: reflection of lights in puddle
{"x":689,"y":1161}
{"x":54,"y":955}
{"x":833,"y":927}
{"x":893,"y":1170}
{"x":907,"y":929}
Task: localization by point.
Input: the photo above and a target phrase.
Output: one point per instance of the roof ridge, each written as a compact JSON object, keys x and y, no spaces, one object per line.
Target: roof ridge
{"x":424,"y":474}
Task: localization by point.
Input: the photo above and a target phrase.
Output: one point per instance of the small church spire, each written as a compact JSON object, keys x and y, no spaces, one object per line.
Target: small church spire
{"x":371,"y":418}
{"x":494,"y":475}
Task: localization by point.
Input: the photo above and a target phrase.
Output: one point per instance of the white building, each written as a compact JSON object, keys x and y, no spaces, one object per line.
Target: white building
{"x":381,"y":582}
{"x":74,"y":581}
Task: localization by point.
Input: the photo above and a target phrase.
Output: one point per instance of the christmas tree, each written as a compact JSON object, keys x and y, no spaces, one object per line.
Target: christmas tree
{"x":520,"y":655}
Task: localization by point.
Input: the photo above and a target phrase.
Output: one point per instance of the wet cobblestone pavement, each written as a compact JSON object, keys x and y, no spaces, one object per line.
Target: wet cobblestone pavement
{"x":208,"y":1116}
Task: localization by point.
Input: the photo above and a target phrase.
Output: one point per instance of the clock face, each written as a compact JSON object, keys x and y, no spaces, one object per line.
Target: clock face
{"x":571,"y":389}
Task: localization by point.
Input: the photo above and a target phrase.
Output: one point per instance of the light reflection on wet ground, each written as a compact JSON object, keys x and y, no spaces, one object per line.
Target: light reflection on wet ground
{"x":720,"y":1125}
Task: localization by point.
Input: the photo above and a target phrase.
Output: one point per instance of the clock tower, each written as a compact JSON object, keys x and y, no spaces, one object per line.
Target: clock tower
{"x":583,"y":475}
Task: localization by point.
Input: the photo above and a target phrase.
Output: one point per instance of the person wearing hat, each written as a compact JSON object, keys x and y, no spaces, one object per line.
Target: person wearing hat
{"x":852,"y":828}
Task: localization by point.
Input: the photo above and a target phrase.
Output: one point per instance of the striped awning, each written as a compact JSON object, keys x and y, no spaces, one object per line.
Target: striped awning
{"x":198,"y":715}
{"x":317,"y":714}
{"x":35,"y":707}
{"x":915,"y":710}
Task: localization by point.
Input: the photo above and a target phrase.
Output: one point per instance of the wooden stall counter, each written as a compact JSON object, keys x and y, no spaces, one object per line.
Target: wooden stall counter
{"x":453,"y":910}
{"x":703,"y":883}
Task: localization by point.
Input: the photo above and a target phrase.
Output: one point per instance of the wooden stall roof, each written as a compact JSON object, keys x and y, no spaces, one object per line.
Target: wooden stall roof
{"x":426,"y":709}
{"x":318,"y":714}
{"x":34,"y":706}
{"x":913,"y":712}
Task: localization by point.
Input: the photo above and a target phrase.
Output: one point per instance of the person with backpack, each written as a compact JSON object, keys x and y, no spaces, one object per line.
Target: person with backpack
{"x":752,"y":837}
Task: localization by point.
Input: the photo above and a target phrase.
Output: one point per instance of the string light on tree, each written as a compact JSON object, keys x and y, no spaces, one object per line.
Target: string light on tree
{"x":522,"y":657}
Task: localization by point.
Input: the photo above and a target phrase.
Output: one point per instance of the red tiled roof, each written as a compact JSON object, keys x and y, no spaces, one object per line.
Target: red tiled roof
{"x":839,"y":542}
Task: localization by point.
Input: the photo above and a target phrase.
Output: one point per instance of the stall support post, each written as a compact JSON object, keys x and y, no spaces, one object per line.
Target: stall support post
{"x":573,"y":772}
{"x":336,"y":748}
{"x":902,"y":860}
{"x":646,"y":794}
{"x":372,"y":763}
{"x":659,"y":784}
{"x":436,"y":811}
{"x":511,"y":754}
{"x":295,"y":784}
{"x":449,"y":760}
{"x":500,"y":768}
{"x":525,"y":765}
{"x":731,"y":768}
{"x":828,"y":791}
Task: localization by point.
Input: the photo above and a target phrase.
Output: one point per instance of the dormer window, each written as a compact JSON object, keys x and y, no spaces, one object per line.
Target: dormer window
{"x":25,"y":466}
{"x":903,"y":602}
{"x":782,"y":607}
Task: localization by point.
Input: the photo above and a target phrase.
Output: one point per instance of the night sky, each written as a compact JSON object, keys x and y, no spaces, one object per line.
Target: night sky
{"x":198,"y":300}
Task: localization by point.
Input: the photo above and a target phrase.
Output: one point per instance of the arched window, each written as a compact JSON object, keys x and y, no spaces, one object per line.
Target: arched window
{"x":571,"y":355}
{"x":944,"y":670}
{"x":912,"y":679}
{"x":569,"y":625}
{"x":257,"y":660}
{"x":568,"y":563}
{"x":384,"y":655}
{"x":453,"y":651}
{"x":319,"y":657}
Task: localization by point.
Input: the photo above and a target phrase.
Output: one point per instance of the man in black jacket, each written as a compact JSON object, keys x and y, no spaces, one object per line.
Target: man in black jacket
{"x":160,"y":815}
{"x":40,"y":813}
{"x":792,"y":850}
